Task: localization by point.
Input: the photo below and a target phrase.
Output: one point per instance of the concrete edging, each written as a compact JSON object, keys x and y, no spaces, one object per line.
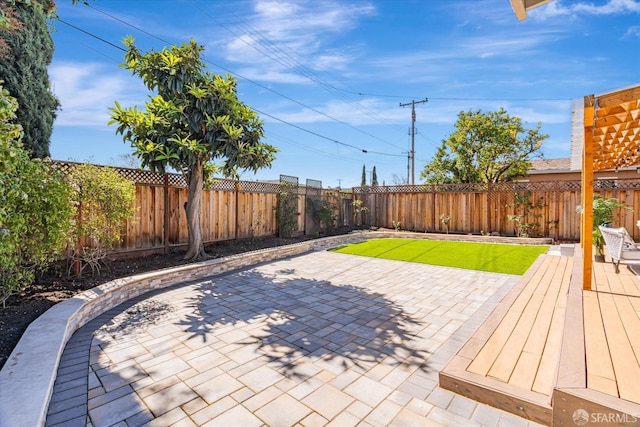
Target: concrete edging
{"x":28,"y":376}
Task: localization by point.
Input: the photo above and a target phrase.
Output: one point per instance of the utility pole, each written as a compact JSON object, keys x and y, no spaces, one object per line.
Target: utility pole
{"x":413,"y":134}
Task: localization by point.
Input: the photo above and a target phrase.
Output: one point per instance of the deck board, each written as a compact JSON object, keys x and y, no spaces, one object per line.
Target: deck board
{"x":527,"y":367}
{"x":624,"y":363}
{"x":549,"y":360}
{"x":522,"y":357}
{"x":612,"y":333}
{"x":600,"y":373}
{"x":485,"y":360}
{"x":522,"y":339}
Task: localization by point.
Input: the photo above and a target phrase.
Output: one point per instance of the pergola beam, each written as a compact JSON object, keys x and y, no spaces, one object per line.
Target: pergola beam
{"x":586,"y":226}
{"x":521,"y":7}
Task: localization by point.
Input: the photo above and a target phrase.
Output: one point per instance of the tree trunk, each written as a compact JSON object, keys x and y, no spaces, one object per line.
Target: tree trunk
{"x":195,"y":249}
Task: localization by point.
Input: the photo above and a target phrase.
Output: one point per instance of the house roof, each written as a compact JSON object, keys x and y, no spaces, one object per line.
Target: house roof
{"x":550,"y":165}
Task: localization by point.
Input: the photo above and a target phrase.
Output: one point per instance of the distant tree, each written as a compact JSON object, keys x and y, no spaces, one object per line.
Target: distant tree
{"x":126,"y":161}
{"x":374,"y":177}
{"x":26,"y":50}
{"x":398,"y":180}
{"x":195,"y":119}
{"x":485,"y":147}
{"x":363,"y":183}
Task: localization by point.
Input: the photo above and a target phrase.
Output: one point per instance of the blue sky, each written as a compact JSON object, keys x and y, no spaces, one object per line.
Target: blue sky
{"x":329,"y":76}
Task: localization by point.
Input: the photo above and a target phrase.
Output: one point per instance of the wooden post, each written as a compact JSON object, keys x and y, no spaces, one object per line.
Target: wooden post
{"x":489,"y":208}
{"x":77,"y":262}
{"x":237,"y":191}
{"x":557,"y":215}
{"x":433,"y":208}
{"x":586,"y":236}
{"x":167,"y":214}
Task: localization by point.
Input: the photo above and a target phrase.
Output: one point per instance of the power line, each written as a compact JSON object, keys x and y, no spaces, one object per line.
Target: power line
{"x":91,"y":35}
{"x":280,"y":56}
{"x":238,"y":75}
{"x":235,"y":73}
{"x":315,"y":150}
{"x":325,"y":137}
{"x":463,"y":99}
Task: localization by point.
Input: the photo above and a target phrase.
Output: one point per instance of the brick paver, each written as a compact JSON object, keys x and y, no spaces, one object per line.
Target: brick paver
{"x":318,"y":339}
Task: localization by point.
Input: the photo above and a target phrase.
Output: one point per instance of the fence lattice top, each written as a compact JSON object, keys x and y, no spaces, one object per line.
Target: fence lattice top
{"x":145,"y":177}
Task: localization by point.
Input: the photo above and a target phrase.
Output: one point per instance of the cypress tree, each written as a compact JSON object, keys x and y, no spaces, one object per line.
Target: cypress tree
{"x":26,"y":50}
{"x":364,"y":177}
{"x":374,"y":178}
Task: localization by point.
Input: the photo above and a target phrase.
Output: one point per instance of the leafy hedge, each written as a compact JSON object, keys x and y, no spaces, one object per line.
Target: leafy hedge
{"x":35,"y":211}
{"x":43,"y":212}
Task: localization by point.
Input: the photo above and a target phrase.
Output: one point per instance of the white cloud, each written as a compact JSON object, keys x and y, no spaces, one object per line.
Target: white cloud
{"x":272,"y":75}
{"x":558,"y":8}
{"x":632,"y":32}
{"x":87,"y":90}
{"x":365,"y":112}
{"x":543,"y":112}
{"x":295,"y":36}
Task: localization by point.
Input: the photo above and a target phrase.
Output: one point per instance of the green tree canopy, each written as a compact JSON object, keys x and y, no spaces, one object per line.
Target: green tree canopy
{"x":363,"y":182}
{"x":194,"y":120}
{"x":374,"y":177}
{"x":485,"y":147}
{"x":26,"y":50}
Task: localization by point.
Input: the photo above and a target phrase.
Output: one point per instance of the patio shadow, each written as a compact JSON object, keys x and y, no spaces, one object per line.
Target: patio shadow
{"x":296,"y":318}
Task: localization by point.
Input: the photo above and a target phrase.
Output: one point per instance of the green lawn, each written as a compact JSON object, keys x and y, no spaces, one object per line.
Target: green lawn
{"x":492,"y":257}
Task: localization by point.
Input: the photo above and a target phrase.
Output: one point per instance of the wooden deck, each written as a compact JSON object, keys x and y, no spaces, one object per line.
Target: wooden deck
{"x":550,"y":348}
{"x":612,"y":333}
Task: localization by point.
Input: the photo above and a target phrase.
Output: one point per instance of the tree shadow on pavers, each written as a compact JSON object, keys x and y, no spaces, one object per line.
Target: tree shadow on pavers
{"x":109,"y":397}
{"x":293,"y":320}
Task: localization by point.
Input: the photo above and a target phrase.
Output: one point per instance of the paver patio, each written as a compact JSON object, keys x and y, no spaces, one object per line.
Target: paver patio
{"x":318,"y":339}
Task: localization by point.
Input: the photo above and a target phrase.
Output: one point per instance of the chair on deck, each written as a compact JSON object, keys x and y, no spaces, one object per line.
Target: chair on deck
{"x":620,"y":245}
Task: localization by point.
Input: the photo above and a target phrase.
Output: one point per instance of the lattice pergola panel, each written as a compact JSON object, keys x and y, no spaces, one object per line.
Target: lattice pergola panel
{"x":616,"y":136}
{"x":611,"y":141}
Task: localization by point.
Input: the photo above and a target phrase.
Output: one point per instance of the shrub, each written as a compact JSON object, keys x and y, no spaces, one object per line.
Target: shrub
{"x":287,"y":210}
{"x":358,"y":210}
{"x":325,"y":212}
{"x":103,"y":202}
{"x":35,"y":208}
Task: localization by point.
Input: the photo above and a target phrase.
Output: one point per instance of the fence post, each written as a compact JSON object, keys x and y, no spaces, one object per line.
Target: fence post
{"x":237,"y":191}
{"x":167,"y":214}
{"x":557,"y":219}
{"x":489,"y":208}
{"x":433,"y":208}
{"x":77,"y":263}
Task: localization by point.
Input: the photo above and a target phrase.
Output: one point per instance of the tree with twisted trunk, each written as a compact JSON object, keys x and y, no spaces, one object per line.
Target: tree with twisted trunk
{"x":194,"y":120}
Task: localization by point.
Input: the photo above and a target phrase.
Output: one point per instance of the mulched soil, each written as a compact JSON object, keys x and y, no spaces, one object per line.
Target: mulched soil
{"x":54,"y":286}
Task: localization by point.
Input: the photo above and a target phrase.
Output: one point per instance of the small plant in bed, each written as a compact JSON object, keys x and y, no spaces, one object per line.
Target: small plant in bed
{"x":491,"y":257}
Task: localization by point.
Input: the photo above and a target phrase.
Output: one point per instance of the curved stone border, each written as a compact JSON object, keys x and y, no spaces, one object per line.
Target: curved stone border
{"x":27,"y":379}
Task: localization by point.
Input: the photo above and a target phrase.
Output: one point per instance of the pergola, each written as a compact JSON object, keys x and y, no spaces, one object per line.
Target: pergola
{"x":611,"y":141}
{"x":521,"y":7}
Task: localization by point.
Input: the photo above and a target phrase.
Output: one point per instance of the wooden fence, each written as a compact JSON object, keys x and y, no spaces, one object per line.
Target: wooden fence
{"x":486,"y":208}
{"x":230,"y":210}
{"x":247,"y":209}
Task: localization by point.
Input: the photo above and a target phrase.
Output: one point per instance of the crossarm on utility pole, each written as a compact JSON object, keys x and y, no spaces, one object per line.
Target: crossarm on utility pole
{"x":413,"y":134}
